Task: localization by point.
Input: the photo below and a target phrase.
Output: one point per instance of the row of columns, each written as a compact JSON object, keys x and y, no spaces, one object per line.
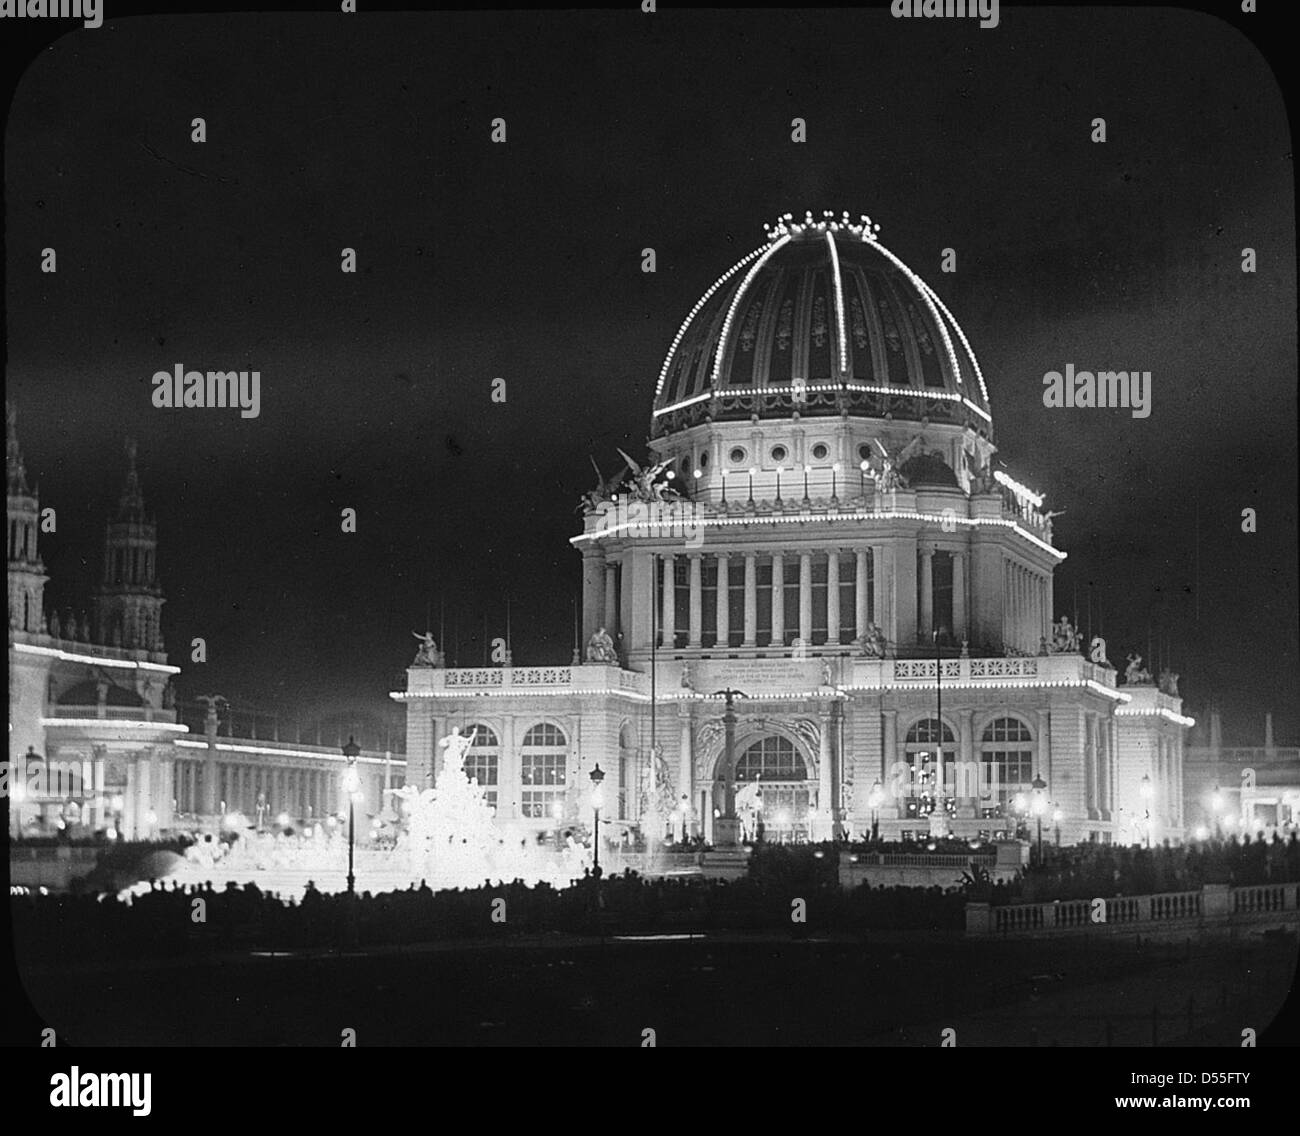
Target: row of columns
{"x":722,"y":624}
{"x":925,"y":617}
{"x":1025,"y":602}
{"x":287,"y":789}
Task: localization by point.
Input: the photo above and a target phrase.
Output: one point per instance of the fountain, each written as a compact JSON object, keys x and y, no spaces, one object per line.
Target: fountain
{"x":449,"y":839}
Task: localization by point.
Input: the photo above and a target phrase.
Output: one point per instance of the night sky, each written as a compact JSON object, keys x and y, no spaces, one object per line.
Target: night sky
{"x":523,"y":261}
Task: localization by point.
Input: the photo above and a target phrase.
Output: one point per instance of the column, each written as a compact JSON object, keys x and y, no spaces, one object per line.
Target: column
{"x":130,"y":805}
{"x":668,"y":622}
{"x":959,"y":596}
{"x":697,"y":600}
{"x":889,"y":780}
{"x":211,"y":801}
{"x":927,"y":594}
{"x":593,"y":576}
{"x":966,"y":784}
{"x":751,"y":599}
{"x":611,"y":599}
{"x":881,"y":617}
{"x":832,"y":598}
{"x":1045,"y":753}
{"x":825,"y":780}
{"x":861,"y":612}
{"x":726,"y":829}
{"x":724,"y":602}
{"x":805,"y":598}
{"x":685,"y":768}
{"x":778,"y":599}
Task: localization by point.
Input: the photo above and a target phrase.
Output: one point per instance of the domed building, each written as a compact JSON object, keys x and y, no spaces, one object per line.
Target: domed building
{"x":819,"y":608}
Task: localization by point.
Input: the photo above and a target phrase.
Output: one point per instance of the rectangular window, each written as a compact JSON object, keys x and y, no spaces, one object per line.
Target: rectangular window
{"x":765,"y":600}
{"x":681,"y":600}
{"x":791,"y":599}
{"x":819,"y":576}
{"x":736,"y":596}
{"x":709,"y":636}
{"x":941,"y":590}
{"x":848,"y":599}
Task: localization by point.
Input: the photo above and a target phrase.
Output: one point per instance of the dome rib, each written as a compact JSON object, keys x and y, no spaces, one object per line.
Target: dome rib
{"x":764,"y":332}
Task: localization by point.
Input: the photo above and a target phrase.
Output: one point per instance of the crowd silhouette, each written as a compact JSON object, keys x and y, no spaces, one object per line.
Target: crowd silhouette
{"x":789,"y":888}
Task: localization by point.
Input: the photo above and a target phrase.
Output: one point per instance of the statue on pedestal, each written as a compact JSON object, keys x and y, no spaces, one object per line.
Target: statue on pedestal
{"x":1097,"y":651}
{"x":872,"y":644}
{"x":686,"y":677}
{"x":1065,"y":637}
{"x":428,"y":655}
{"x":1168,"y":682}
{"x":1135,"y":674}
{"x":600,"y":648}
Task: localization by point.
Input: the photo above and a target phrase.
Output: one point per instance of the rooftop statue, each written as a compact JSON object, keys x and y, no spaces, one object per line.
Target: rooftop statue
{"x":1135,"y":674}
{"x":604,"y":491}
{"x":428,"y":655}
{"x":1097,"y":651}
{"x":642,"y":484}
{"x":1065,"y":637}
{"x":1168,"y":682}
{"x":600,"y":648}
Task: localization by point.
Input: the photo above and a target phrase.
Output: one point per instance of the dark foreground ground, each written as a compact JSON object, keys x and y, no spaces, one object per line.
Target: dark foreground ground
{"x":724,"y":990}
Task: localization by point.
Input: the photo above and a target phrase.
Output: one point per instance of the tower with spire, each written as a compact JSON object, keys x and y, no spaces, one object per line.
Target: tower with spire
{"x":27,"y":576}
{"x":128,"y":602}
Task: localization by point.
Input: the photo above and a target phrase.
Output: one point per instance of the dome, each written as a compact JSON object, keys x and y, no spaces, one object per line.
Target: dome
{"x":821,"y":320}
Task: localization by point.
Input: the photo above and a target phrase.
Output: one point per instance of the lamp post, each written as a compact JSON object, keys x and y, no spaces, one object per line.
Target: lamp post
{"x":1146,"y":791}
{"x":351,"y":784}
{"x":835,"y":477}
{"x":597,"y":800}
{"x":1039,"y":806}
{"x":874,"y":799}
{"x":862,"y":479}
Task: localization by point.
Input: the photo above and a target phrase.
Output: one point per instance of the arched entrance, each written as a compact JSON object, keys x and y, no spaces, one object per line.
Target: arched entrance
{"x":774,"y":793}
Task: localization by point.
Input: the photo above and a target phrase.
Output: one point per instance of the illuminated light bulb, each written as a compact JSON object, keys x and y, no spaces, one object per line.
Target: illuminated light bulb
{"x":697,"y":474}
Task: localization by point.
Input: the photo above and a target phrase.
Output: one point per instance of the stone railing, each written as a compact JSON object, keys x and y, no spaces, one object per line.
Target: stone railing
{"x":124,"y":713}
{"x":1213,"y":905}
{"x":1029,"y":670}
{"x":589,"y":677}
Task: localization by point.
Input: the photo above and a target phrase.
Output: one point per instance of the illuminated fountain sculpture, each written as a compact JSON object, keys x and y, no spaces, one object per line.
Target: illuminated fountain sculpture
{"x":451,"y":840}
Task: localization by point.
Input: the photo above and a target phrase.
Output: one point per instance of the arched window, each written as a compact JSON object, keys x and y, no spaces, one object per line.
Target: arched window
{"x":922,"y":747}
{"x":543,"y":760}
{"x":772,"y":789}
{"x":483,"y":760}
{"x":1006,"y":765}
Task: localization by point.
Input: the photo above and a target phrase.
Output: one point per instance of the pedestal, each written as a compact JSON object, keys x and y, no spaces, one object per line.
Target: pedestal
{"x":726,"y":832}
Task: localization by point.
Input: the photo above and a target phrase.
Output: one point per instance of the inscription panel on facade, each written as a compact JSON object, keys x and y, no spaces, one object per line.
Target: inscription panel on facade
{"x":759,"y":676}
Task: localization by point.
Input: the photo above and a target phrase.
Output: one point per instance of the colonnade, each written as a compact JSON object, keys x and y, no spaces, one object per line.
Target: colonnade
{"x":1026,"y":605}
{"x":842,"y":567}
